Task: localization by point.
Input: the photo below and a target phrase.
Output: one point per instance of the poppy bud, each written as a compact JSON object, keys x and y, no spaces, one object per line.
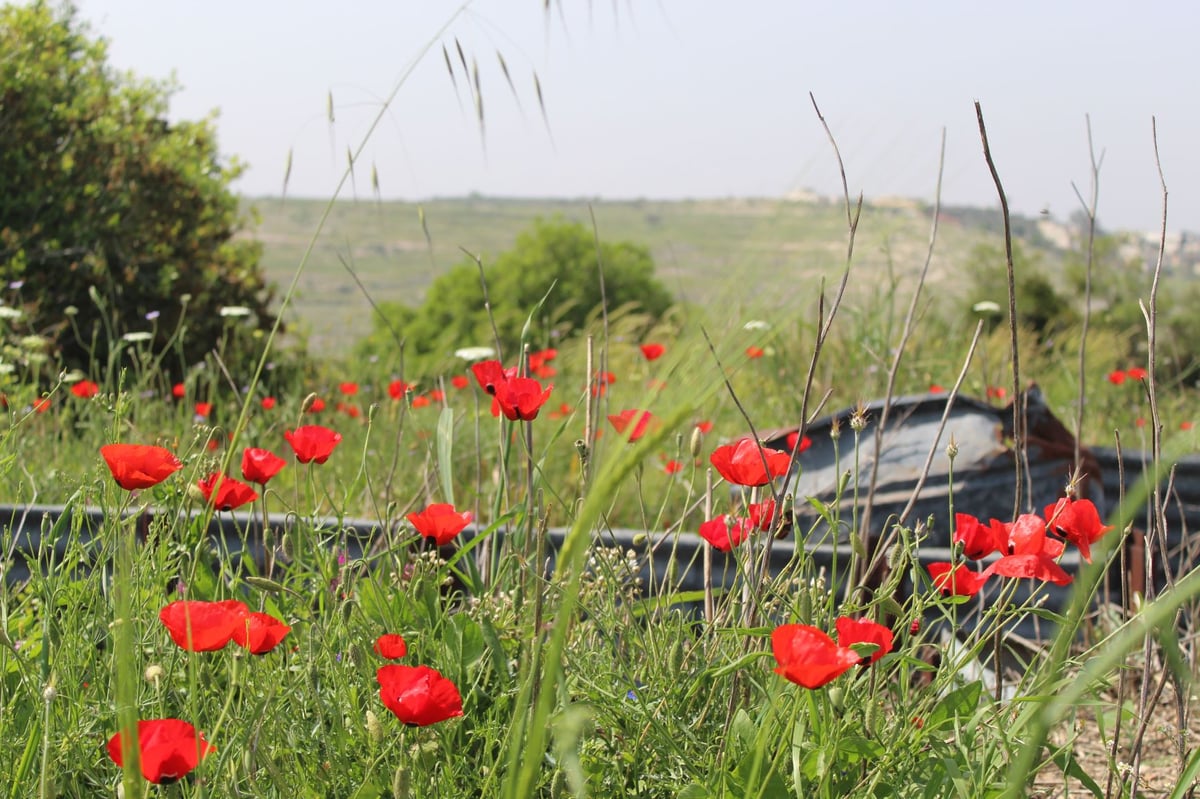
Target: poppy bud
{"x":374,"y":728}
{"x":639,"y":540}
{"x":696,"y":442}
{"x":400,"y":783}
{"x":915,"y":627}
{"x":195,"y":494}
{"x":837,"y":697}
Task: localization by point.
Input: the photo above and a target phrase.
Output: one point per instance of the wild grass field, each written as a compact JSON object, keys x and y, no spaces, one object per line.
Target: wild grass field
{"x":574,"y":568}
{"x":774,"y":251}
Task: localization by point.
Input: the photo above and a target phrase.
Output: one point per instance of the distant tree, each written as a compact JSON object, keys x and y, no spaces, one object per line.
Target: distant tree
{"x":106,"y":206}
{"x":557,"y":261}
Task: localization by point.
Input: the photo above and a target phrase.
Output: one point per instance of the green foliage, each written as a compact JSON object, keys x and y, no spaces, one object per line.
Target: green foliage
{"x":108,"y":208}
{"x":1040,"y":305}
{"x":555,"y":260}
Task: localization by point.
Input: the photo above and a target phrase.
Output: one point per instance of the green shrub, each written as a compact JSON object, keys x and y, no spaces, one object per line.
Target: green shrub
{"x":108,"y":208}
{"x":555,"y":260}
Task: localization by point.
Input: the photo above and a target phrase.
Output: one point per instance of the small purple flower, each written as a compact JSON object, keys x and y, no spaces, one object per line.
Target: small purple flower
{"x":16,"y":284}
{"x":150,"y":317}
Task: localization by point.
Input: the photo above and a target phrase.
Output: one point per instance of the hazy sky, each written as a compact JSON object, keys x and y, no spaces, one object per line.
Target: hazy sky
{"x":690,"y":98}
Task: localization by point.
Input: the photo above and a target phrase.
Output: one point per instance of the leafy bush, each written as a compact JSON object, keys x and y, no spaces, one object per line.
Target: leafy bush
{"x":555,"y":260}
{"x":108,"y":208}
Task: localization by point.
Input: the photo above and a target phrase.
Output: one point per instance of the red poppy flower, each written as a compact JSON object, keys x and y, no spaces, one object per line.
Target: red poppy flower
{"x":42,"y":404}
{"x":178,"y":391}
{"x":997,"y":392}
{"x":225,"y":493}
{"x":726,"y":532}
{"x":398,"y":388}
{"x":203,"y":409}
{"x":460,"y":381}
{"x":1182,"y":425}
{"x":934,"y":388}
{"x":312,"y":442}
{"x":761,"y":515}
{"x":539,"y":363}
{"x":1136,"y":373}
{"x":85,"y":389}
{"x":1027,"y":536}
{"x":420,"y":401}
{"x":168,"y":749}
{"x":418,"y":695}
{"x":1116,"y":377}
{"x":136,"y":466}
{"x":754,"y":352}
{"x":1033,"y":565}
{"x":979,"y":541}
{"x":441,"y":522}
{"x":704,"y":427}
{"x":632,"y":423}
{"x":521,"y":398}
{"x":198,"y":626}
{"x":350,"y":409}
{"x":260,"y":465}
{"x":437,"y":395}
{"x":268,"y":403}
{"x":864,"y":631}
{"x":490,"y":374}
{"x":391,"y":646}
{"x":959,"y":581}
{"x":793,"y":438}
{"x":348,"y":389}
{"x":601,"y":382}
{"x":315,"y":405}
{"x":809,"y":657}
{"x":563,"y":411}
{"x":746,"y":463}
{"x":259,"y":633}
{"x":652,"y":352}
{"x":673,"y":467}
{"x":1078,"y":521}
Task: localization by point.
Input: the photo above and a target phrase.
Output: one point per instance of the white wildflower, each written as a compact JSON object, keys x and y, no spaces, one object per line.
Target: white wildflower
{"x":757,"y":324}
{"x":136,"y":336}
{"x":228,"y":311}
{"x":475,"y":353}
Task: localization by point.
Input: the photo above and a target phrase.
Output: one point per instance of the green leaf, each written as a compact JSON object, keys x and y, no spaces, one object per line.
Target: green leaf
{"x":958,"y":703}
{"x":1065,"y":760}
{"x":445,"y":445}
{"x":693,"y":791}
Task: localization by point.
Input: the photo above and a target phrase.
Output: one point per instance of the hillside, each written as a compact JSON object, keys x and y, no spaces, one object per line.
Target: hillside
{"x":748,"y":254}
